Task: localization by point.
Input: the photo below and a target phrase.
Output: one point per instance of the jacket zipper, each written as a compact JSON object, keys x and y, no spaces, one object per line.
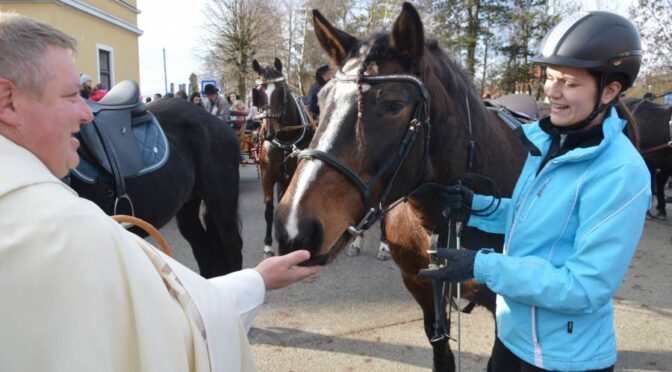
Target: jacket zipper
{"x":538,"y":356}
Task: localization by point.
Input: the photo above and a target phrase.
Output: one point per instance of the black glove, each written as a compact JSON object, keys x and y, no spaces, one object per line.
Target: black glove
{"x":459,"y":266}
{"x":456,"y":199}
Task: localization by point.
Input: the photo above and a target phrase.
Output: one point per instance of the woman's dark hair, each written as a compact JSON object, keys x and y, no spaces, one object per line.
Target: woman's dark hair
{"x":228,"y":97}
{"x":632,"y":128}
{"x":194,"y":95}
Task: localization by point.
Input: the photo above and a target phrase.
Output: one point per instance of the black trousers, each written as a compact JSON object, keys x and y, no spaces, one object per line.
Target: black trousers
{"x":503,"y":360}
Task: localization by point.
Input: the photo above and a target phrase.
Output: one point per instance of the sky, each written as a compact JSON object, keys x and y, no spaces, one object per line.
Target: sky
{"x":176,"y":25}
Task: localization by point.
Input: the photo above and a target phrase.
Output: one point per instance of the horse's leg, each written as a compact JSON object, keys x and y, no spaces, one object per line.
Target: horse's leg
{"x":219,"y":188}
{"x":661,"y":180}
{"x":408,"y":243}
{"x":384,"y":248}
{"x":267,"y":183}
{"x":355,"y":247}
{"x":224,"y":245}
{"x":267,"y":176}
{"x":189,"y":224}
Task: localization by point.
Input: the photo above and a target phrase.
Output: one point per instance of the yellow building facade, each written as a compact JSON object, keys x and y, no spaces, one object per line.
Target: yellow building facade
{"x":107,"y":32}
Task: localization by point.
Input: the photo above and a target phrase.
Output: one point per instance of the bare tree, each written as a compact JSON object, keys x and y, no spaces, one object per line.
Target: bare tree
{"x":237,"y":31}
{"x":652,"y":18}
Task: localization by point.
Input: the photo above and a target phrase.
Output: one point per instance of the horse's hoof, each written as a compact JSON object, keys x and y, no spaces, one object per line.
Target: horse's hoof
{"x":383,"y":252}
{"x":268,"y":251}
{"x":352,"y":251}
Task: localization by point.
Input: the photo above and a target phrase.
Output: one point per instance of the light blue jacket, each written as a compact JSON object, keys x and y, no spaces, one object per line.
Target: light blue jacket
{"x":571,"y":232}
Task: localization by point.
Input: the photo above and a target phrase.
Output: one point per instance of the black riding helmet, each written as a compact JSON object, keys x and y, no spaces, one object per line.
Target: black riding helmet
{"x":604,"y":43}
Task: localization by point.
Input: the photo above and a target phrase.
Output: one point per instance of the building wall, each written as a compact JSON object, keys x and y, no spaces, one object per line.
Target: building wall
{"x":91,"y":33}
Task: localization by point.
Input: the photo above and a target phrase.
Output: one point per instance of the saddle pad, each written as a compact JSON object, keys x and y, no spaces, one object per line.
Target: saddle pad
{"x":153,"y":145}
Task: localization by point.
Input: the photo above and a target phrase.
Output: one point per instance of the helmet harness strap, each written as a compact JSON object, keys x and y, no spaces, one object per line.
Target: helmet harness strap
{"x":598,"y":108}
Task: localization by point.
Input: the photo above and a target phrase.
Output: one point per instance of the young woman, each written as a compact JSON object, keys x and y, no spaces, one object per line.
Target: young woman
{"x":577,"y":212}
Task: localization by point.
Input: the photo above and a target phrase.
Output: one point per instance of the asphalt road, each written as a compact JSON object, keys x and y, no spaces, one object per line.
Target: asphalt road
{"x":357,"y":316}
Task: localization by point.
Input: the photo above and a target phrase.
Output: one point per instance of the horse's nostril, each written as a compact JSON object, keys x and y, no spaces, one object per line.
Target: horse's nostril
{"x":310,"y":235}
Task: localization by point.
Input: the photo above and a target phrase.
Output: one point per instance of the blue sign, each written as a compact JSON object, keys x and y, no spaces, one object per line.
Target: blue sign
{"x":206,"y":82}
{"x":668,"y":99}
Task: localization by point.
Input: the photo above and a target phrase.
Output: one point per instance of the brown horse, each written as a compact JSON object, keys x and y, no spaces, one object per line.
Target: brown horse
{"x":398,"y":115}
{"x":654,"y":121}
{"x":285,"y":127}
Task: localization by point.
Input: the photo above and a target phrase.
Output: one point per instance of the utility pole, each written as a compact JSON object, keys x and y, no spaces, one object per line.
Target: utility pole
{"x":165,"y":74}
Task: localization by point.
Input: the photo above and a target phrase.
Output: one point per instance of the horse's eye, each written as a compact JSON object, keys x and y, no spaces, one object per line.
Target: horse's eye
{"x":393,"y":107}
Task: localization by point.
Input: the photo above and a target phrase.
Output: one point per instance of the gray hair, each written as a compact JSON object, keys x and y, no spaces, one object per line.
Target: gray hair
{"x":23,"y":50}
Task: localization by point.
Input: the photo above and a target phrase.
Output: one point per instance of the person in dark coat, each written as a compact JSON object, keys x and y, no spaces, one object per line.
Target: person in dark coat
{"x":322,"y":75}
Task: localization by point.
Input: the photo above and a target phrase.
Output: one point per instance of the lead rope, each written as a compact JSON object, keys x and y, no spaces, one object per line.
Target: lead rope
{"x":450,"y":240}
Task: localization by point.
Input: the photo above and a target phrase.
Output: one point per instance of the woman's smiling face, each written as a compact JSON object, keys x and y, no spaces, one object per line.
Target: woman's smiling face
{"x":571,"y":92}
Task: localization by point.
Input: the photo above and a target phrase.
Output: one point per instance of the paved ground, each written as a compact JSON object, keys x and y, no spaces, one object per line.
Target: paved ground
{"x":356,"y":316}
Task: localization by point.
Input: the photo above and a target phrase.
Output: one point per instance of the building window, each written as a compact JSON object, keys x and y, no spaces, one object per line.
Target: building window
{"x":105,"y":66}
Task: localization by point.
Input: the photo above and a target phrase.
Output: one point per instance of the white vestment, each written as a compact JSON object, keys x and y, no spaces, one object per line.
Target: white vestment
{"x":80,"y":293}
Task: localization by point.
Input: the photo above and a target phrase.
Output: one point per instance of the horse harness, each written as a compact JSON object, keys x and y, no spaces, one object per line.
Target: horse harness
{"x":288,"y":147}
{"x":281,"y":116}
{"x":419,"y":121}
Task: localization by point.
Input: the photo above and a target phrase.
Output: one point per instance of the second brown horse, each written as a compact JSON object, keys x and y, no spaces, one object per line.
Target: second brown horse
{"x":285,"y":127}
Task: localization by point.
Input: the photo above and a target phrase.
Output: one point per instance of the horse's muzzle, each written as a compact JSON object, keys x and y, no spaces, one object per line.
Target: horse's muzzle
{"x":310,"y":236}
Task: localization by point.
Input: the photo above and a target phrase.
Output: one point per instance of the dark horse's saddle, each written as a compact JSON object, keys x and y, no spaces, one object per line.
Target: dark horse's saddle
{"x":514,"y":109}
{"x":124,"y":140}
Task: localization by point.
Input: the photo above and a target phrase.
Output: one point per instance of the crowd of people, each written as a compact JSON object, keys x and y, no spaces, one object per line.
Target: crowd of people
{"x":230,"y":108}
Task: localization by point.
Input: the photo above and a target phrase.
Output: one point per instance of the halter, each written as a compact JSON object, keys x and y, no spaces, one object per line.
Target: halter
{"x":395,"y":161}
{"x":281,"y":116}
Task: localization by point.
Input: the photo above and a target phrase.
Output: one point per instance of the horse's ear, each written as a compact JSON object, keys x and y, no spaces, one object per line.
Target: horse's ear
{"x":334,"y":41}
{"x":278,"y":65}
{"x":407,"y":33}
{"x":256,"y":67}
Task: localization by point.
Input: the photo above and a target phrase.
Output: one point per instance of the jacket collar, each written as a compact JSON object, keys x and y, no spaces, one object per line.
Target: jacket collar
{"x":612,"y":126}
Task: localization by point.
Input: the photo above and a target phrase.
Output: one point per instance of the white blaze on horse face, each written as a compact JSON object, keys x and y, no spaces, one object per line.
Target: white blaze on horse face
{"x":269,"y":91}
{"x":344,"y":103}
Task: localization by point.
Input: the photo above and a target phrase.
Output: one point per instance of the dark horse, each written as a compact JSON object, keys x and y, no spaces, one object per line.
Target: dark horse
{"x":399,"y":114}
{"x":202,"y":168}
{"x":285,"y":127}
{"x":655,"y":144}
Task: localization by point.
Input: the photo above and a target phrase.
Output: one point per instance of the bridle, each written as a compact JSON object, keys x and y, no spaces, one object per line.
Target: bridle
{"x":281,"y":117}
{"x":395,"y":161}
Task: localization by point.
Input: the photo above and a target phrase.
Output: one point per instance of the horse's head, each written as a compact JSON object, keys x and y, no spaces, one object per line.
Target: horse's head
{"x":269,"y":79}
{"x":271,"y":95}
{"x":372,"y":145}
